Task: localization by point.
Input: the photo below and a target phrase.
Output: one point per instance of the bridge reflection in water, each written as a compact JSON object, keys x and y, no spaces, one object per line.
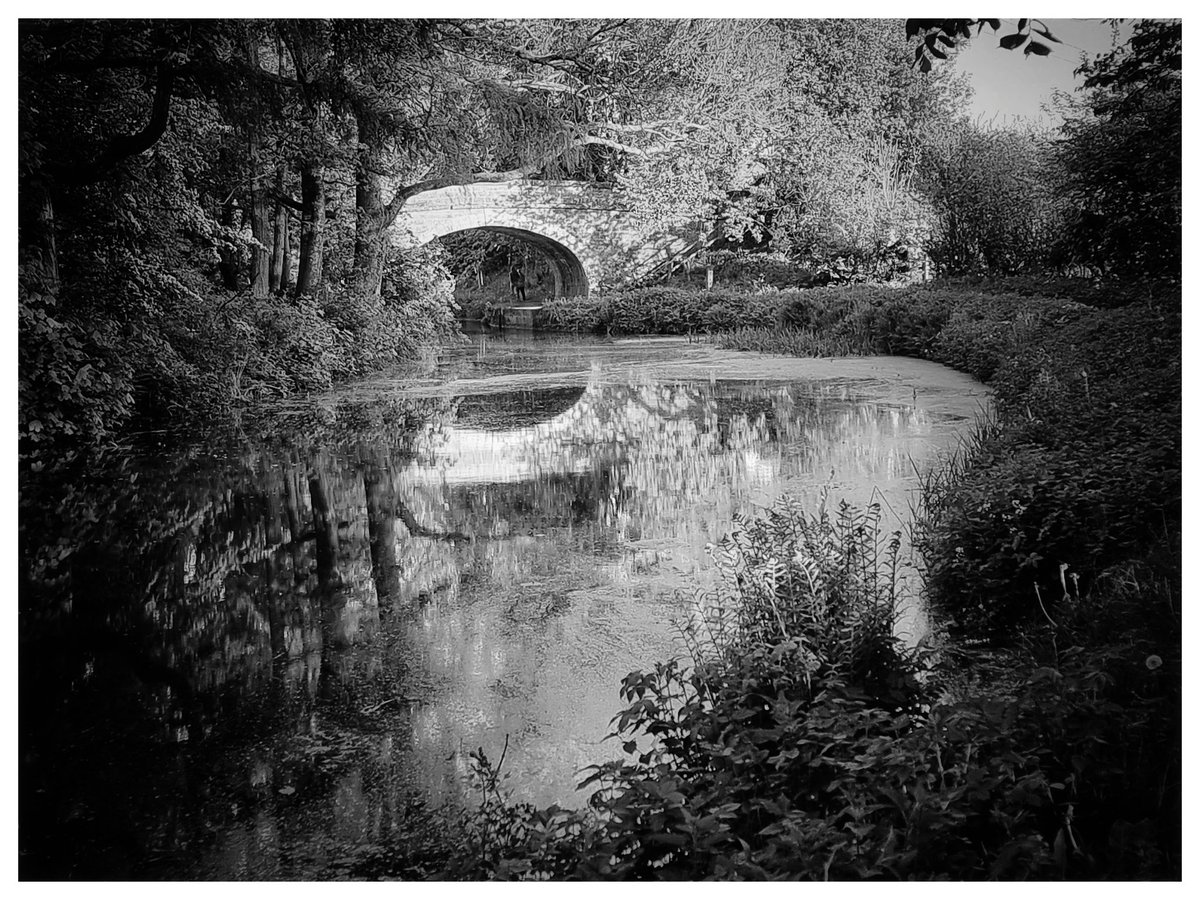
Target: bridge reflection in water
{"x":273,"y":657}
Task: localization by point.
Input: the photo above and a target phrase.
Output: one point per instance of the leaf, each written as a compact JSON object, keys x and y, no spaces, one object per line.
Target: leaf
{"x":667,"y":840}
{"x":1037,"y":49}
{"x":287,"y":791}
{"x":1021,"y":23}
{"x":1041,"y":29}
{"x":1013,"y":41}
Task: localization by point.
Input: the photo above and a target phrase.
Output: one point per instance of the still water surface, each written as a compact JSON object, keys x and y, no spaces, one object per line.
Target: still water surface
{"x":255,"y":656}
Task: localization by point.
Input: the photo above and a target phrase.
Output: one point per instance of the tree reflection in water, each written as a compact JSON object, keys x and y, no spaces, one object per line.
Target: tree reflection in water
{"x":258,"y":662}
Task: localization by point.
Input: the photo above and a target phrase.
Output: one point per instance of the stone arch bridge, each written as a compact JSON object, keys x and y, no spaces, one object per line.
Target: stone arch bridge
{"x":589,"y":236}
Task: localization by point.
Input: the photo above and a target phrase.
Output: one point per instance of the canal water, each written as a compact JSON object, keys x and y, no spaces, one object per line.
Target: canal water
{"x":261,"y":654}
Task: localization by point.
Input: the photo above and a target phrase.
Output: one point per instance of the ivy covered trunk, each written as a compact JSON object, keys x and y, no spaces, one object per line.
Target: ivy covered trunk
{"x":260,"y":223}
{"x":279,"y":245}
{"x":370,"y":247}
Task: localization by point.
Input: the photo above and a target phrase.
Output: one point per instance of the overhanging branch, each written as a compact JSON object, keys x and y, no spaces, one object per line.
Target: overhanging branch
{"x":126,"y":145}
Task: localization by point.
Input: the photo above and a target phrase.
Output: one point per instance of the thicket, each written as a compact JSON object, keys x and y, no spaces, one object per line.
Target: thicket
{"x":859,"y":174}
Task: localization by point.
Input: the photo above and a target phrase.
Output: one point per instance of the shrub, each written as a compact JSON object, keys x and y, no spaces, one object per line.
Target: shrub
{"x":730,"y":311}
{"x":659,"y":310}
{"x":73,"y":384}
{"x":991,"y":192}
{"x":578,"y":313}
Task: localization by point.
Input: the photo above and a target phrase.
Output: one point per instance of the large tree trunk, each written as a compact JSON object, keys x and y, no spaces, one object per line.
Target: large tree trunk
{"x":38,"y":246}
{"x":260,"y":209}
{"x":312,"y":228}
{"x":260,"y":223}
{"x":370,"y":249}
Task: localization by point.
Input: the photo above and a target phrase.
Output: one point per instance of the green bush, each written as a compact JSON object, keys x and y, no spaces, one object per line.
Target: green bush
{"x":73,"y":385}
{"x":730,"y":311}
{"x":190,"y":353}
{"x":1103,"y":293}
{"x":578,"y":313}
{"x":661,"y":310}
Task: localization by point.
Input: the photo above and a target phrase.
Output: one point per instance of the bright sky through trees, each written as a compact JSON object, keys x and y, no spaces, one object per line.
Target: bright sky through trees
{"x":1009,"y":85}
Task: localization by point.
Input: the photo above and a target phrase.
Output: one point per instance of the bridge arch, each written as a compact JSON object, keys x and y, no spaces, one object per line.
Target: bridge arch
{"x":587,"y":229}
{"x":570,"y":278}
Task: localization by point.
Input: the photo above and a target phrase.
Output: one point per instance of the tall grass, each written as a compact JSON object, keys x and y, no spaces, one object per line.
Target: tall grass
{"x":786,"y":341}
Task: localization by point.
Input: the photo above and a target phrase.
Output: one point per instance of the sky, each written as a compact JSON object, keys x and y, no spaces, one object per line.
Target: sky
{"x":1010,"y":85}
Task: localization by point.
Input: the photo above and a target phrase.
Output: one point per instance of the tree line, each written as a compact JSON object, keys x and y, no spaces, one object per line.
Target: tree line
{"x":205,"y":204}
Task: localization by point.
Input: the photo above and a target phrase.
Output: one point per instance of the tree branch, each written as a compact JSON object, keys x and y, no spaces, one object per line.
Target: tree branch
{"x":404,"y":194}
{"x":125,"y":145}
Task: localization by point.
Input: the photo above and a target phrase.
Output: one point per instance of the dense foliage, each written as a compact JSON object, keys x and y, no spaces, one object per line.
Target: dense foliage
{"x":1121,"y":158}
{"x":803,"y":133}
{"x":991,"y":193}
